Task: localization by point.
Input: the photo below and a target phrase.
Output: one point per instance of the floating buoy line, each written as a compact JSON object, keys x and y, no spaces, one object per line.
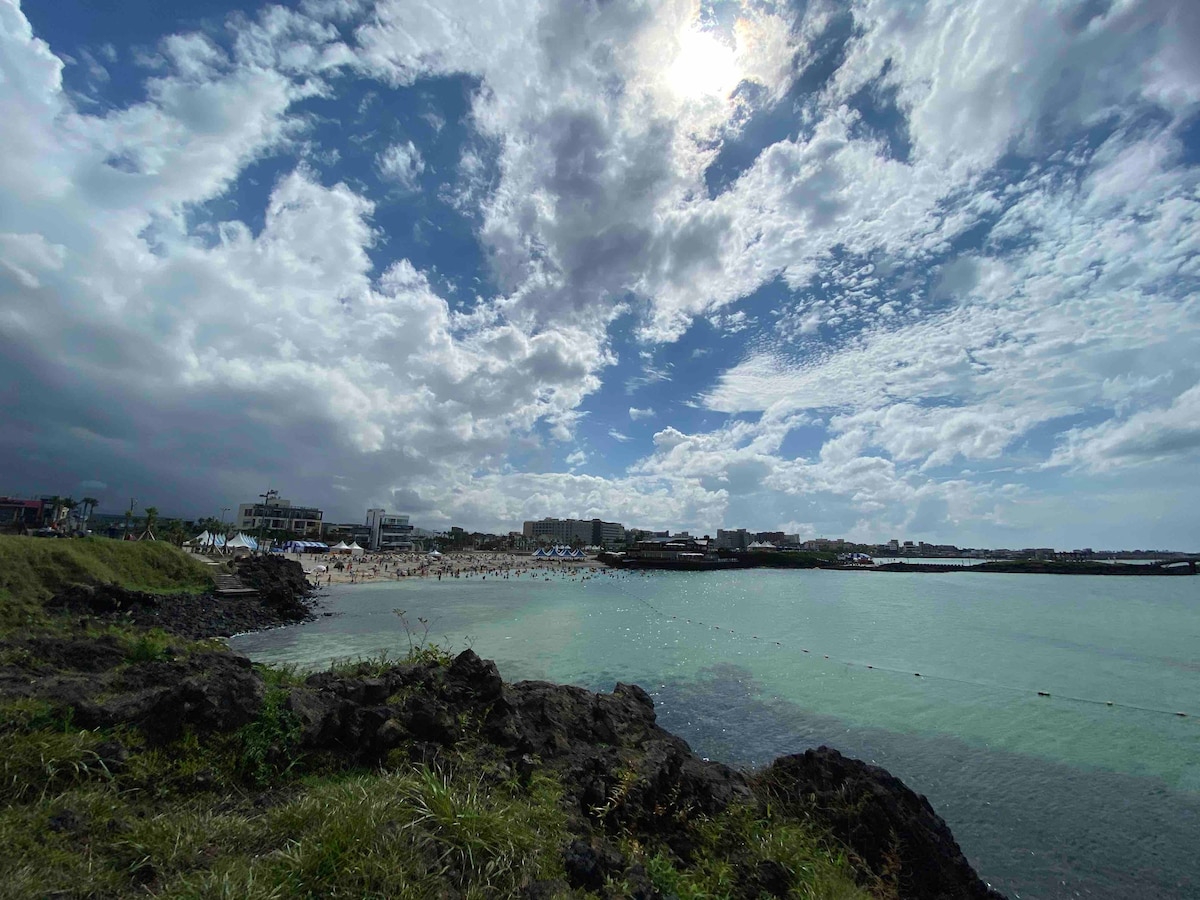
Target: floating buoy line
{"x":925,"y":677}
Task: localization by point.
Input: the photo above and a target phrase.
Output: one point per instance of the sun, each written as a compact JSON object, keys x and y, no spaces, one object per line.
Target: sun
{"x":704,"y":67}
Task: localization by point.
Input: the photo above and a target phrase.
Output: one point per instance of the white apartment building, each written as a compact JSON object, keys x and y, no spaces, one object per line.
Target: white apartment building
{"x":389,"y":532}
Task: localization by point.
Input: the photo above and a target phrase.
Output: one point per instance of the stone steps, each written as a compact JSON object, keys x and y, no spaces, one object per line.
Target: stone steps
{"x":230,"y":585}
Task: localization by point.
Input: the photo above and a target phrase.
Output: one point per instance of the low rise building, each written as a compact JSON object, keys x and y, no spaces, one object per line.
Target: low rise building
{"x":17,"y":514}
{"x":279,"y":515}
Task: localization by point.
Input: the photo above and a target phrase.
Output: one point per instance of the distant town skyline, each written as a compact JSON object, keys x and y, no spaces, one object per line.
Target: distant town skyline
{"x":851,"y":268}
{"x":566,"y":530}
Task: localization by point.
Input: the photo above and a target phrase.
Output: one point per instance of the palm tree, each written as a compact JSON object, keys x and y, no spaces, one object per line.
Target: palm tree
{"x":55,"y":505}
{"x":175,"y":533}
{"x":211,"y":524}
{"x":89,"y":506}
{"x":151,"y":515}
{"x":128,"y":522}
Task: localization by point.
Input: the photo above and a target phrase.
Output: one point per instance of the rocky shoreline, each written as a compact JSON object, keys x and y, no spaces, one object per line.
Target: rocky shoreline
{"x":283,"y":597}
{"x":625,"y":781}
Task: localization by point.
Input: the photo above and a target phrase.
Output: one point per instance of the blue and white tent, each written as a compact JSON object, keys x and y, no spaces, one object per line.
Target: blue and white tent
{"x":305,"y":547}
{"x":558,"y":553}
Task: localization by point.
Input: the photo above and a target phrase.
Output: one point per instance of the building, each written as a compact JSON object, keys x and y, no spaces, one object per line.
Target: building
{"x":558,"y":531}
{"x":350,"y":532}
{"x":569,"y":531}
{"x":279,"y":515}
{"x":738,"y":539}
{"x":675,"y":552}
{"x":388,"y":532}
{"x":607,"y":534}
{"x":17,"y":514}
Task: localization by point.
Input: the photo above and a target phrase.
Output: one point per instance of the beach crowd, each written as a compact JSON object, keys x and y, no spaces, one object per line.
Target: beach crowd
{"x":325,"y":569}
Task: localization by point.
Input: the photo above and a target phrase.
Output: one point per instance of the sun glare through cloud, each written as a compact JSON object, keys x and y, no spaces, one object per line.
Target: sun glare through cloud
{"x":704,"y":67}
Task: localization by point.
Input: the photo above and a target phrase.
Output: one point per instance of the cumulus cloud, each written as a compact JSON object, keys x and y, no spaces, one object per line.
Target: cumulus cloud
{"x":1146,"y":437}
{"x":977,"y":225}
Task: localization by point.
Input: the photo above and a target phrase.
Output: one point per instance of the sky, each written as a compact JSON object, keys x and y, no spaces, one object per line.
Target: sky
{"x":872,"y":269}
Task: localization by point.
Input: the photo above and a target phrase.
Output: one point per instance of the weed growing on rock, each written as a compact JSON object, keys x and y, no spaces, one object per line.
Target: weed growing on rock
{"x":270,"y":745}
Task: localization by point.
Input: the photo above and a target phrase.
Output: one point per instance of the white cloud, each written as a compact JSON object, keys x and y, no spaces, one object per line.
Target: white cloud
{"x":23,"y":255}
{"x":910,"y":337}
{"x":1147,"y":437}
{"x":402,"y":164}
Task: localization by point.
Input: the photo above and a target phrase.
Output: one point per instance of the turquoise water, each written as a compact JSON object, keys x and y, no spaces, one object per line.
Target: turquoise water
{"x":1049,"y":796}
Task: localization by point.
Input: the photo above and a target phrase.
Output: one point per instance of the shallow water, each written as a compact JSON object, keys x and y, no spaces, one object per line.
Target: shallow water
{"x":1049,"y":796}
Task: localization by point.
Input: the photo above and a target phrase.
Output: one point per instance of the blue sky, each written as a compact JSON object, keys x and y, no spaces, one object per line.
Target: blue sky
{"x":865,"y":269}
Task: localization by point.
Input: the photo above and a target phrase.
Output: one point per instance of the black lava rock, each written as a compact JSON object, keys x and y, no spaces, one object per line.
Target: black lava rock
{"x":892,"y":829}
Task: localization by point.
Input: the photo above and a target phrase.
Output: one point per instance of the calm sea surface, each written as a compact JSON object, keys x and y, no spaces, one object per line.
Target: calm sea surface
{"x":1049,"y":797}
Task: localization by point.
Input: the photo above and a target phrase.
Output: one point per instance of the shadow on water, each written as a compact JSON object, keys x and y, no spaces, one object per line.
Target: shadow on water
{"x":1033,"y":828}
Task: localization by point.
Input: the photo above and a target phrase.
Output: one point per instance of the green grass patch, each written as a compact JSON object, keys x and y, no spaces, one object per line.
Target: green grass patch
{"x":34,"y":569}
{"x":731,"y":847}
{"x":407,"y":833}
{"x":269,"y":746}
{"x":40,"y":762}
{"x":372,"y":666}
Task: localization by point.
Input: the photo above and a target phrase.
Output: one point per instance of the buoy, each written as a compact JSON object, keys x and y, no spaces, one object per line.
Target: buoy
{"x":805,"y":651}
{"x":1043,"y":693}
{"x":918,"y":674}
{"x":870,"y":667}
{"x":1181,"y":715}
{"x":1108,"y":703}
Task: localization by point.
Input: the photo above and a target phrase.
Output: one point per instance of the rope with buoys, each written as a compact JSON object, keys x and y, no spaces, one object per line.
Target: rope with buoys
{"x":927,"y":677}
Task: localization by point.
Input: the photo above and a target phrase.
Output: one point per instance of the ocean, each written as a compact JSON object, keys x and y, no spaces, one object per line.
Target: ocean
{"x":1092,"y":790}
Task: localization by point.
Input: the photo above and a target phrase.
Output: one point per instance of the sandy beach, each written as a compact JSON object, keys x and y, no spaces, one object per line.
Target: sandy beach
{"x":321,"y":568}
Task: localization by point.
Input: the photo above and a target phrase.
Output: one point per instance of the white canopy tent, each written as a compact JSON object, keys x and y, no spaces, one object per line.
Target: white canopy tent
{"x":206,"y":539}
{"x":355,"y":550}
{"x":241,"y":542}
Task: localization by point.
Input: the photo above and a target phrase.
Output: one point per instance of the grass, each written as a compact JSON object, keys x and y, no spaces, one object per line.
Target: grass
{"x":41,"y":753}
{"x":269,"y":744}
{"x":32,"y":570}
{"x":406,"y":833}
{"x":733,"y":844}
